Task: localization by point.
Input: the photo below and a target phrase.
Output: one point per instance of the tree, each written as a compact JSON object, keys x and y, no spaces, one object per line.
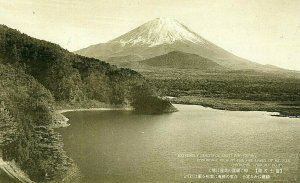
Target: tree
{"x":64,"y":81}
{"x":97,"y":87}
{"x":143,"y":100}
{"x":16,"y":53}
{"x":8,"y":127}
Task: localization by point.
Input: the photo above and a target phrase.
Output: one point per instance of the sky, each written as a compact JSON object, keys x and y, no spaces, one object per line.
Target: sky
{"x":264,"y":31}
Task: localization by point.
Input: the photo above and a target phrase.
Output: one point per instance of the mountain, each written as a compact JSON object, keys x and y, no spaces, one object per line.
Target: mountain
{"x":181,"y":60}
{"x":161,"y":36}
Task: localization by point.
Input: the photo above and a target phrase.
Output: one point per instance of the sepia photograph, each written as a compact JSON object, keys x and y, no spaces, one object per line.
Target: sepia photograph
{"x":149,"y":91}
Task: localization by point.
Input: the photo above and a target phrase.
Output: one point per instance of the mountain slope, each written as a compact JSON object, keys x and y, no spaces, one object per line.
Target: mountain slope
{"x":181,"y":60}
{"x":161,"y":36}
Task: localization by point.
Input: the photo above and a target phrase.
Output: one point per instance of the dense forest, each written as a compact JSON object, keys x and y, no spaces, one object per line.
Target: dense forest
{"x":67,"y":76}
{"x":35,"y":75}
{"x":25,"y":115}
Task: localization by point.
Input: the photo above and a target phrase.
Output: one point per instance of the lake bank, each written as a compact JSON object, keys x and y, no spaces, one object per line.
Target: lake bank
{"x":62,"y":121}
{"x":14,"y":173}
{"x":94,"y":109}
{"x":284,"y":109}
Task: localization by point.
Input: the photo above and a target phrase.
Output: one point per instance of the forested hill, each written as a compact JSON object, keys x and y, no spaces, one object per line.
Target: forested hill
{"x":69,"y":77}
{"x":36,"y":75}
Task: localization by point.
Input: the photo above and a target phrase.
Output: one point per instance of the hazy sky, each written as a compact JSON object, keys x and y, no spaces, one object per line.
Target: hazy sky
{"x":265,"y":31}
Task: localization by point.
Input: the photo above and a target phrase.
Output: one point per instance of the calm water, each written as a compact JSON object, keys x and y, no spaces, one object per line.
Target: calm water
{"x":119,"y":146}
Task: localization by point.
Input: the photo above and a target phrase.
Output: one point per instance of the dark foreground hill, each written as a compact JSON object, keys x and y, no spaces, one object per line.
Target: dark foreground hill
{"x":35,"y":75}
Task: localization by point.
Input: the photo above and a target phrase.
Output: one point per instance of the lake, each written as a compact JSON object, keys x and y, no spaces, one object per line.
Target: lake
{"x":196,"y":144}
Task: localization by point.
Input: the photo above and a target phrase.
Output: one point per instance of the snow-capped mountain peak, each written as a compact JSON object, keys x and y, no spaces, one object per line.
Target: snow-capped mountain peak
{"x":160,"y":37}
{"x":157,"y":32}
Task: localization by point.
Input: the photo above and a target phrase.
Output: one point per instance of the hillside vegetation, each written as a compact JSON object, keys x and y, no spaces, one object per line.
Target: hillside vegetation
{"x":36,"y":75}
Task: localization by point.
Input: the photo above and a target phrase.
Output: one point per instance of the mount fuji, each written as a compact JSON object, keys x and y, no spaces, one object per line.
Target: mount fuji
{"x":162,"y":36}
{"x":157,"y":32}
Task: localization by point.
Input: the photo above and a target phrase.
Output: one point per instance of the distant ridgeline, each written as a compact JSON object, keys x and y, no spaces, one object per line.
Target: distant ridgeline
{"x":34,"y":75}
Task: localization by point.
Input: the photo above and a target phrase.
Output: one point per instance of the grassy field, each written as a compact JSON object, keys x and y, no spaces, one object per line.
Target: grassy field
{"x":230,"y":90}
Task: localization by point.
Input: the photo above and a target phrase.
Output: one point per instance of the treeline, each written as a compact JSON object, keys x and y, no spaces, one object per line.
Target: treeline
{"x":35,"y":75}
{"x":232,"y":86}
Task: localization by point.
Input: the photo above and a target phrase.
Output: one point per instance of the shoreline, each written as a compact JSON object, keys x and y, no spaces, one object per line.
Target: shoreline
{"x":61,"y":120}
{"x":272,"y":113}
{"x":13,"y":171}
{"x":95,"y":109}
{"x":240,"y":105}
